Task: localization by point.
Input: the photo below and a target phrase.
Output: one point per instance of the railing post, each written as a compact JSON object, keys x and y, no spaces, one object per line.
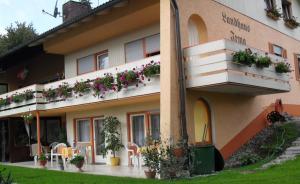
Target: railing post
{"x":38,"y":129}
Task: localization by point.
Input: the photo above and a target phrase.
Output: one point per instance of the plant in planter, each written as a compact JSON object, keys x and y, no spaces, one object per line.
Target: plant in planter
{"x":64,"y":91}
{"x":82,"y":88}
{"x":50,"y":94}
{"x":102,"y":85}
{"x":28,"y":94}
{"x":151,"y":69}
{"x":78,"y":161}
{"x":124,"y":79}
{"x":245,"y":57}
{"x":111,"y":135}
{"x":152,"y":156}
{"x":283,"y":67}
{"x":179,"y":149}
{"x":263,"y":61}
{"x":5,"y":101}
{"x":273,"y":13}
{"x":43,"y":160}
{"x":27,"y":118}
{"x":18,"y":98}
{"x":291,"y":22}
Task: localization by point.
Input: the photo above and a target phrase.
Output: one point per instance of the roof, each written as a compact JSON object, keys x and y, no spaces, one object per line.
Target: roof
{"x":34,"y":42}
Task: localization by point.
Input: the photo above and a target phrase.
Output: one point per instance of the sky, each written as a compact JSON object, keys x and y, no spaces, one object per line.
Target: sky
{"x":30,"y":11}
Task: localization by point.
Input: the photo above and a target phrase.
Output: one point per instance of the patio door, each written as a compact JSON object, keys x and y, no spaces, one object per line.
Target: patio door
{"x":99,"y":141}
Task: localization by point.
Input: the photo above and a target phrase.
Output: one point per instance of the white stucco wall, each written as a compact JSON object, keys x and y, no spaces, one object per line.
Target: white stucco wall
{"x":256,"y":10}
{"x":114,"y":46}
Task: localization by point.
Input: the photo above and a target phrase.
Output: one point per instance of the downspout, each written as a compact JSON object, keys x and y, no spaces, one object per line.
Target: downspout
{"x":181,"y":73}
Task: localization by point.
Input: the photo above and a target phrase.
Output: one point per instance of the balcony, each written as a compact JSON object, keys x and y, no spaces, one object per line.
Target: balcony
{"x":40,"y":102}
{"x":209,"y":67}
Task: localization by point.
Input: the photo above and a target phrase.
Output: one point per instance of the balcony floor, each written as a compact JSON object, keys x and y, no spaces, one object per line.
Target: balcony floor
{"x":120,"y":171}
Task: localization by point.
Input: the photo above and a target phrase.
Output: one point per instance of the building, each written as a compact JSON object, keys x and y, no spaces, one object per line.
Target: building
{"x":220,"y":102}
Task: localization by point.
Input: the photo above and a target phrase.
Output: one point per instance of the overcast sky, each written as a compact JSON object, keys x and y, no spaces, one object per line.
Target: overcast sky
{"x":31,"y":12}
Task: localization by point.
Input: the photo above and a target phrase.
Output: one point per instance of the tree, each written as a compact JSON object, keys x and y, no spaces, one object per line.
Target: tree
{"x":16,"y":35}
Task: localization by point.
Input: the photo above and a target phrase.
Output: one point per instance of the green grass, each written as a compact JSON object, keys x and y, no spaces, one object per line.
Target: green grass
{"x":288,"y":173}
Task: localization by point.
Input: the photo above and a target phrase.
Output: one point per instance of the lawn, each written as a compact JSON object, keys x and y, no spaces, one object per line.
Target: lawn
{"x":287,"y":173}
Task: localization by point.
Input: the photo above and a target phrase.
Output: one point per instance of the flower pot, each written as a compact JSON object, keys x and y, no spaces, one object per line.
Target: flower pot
{"x":114,"y":161}
{"x":178,"y":152}
{"x":43,"y":163}
{"x":272,"y":16}
{"x":79,"y":165}
{"x":150,"y":174}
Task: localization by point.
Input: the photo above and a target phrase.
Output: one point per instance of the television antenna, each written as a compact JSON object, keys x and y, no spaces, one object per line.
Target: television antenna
{"x":55,"y":13}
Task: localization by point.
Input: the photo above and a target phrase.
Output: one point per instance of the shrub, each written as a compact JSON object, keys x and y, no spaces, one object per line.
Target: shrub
{"x":263,"y":62}
{"x":5,"y":179}
{"x":81,"y":88}
{"x":283,"y":67}
{"x":64,"y":91}
{"x":103,"y":85}
{"x":78,"y":159}
{"x":244,"y":57}
{"x":249,"y":158}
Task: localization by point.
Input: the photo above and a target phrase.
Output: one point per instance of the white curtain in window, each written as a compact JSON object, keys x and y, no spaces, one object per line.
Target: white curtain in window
{"x":86,"y":64}
{"x":83,"y":130}
{"x":194,"y":38}
{"x":134,"y":51}
{"x":103,"y":61}
{"x":155,"y":126}
{"x":138,"y":130}
{"x":153,"y":44}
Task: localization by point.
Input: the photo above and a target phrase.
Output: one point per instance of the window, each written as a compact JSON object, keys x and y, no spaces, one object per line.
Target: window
{"x":85,"y":65}
{"x":287,"y":9}
{"x":102,"y":60}
{"x":277,"y":50}
{"x":83,"y":130}
{"x":3,"y":88}
{"x":270,"y":4}
{"x":297,"y":66}
{"x":142,"y":48}
{"x":143,"y":125}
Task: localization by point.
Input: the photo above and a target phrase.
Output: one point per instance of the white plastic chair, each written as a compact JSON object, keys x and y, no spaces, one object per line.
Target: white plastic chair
{"x":133,"y":155}
{"x":55,"y":152}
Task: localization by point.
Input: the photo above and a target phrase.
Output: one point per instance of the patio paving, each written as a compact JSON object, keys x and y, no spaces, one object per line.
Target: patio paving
{"x":122,"y":171}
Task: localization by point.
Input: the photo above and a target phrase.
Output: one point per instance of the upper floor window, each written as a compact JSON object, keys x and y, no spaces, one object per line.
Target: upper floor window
{"x":93,"y":62}
{"x":270,"y":4}
{"x":277,"y":50}
{"x":142,"y":48}
{"x":287,"y":9}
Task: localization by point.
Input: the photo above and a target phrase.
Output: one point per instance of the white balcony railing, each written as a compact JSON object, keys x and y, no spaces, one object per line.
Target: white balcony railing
{"x":39,"y":102}
{"x":210,"y":67}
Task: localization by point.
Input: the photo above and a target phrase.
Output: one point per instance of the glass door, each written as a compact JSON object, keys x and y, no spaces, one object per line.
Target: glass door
{"x":99,"y":141}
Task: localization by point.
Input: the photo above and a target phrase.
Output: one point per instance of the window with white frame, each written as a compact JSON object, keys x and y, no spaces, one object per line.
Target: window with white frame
{"x":102,"y":60}
{"x":83,"y":130}
{"x":142,"y":48}
{"x":278,"y":51}
{"x":155,"y":126}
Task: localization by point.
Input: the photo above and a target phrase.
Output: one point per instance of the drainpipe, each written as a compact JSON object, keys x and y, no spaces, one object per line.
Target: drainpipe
{"x":181,"y":77}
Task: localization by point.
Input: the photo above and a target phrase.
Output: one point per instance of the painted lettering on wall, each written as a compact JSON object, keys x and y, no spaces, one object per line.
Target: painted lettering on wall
{"x":235,"y":22}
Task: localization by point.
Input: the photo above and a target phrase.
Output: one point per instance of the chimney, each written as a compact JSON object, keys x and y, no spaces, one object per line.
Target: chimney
{"x":72,"y":9}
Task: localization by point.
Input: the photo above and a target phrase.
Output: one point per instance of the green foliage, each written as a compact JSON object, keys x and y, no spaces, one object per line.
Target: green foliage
{"x":111,"y":135}
{"x":245,"y":57}
{"x":18,"y":98}
{"x":249,"y":158}
{"x":50,"y":94}
{"x":64,"y":91}
{"x":263,"y":62}
{"x":126,"y":78}
{"x":283,"y":67}
{"x":43,"y":157}
{"x":82,"y":88}
{"x":5,"y":179}
{"x":28,"y":94}
{"x":78,"y":159}
{"x":16,"y":35}
{"x":151,"y":69}
{"x":5,"y":101}
{"x":274,"y":13}
{"x":103,"y":85}
{"x":292,"y":22}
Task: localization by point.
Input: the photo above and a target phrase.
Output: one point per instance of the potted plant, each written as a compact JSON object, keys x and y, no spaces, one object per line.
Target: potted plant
{"x":78,"y":161}
{"x":50,"y":94}
{"x":64,"y":90}
{"x":27,"y":118}
{"x":283,"y":67}
{"x":17,"y":98}
{"x":178,"y":149}
{"x":111,"y":135}
{"x":245,"y":57}
{"x":151,"y":69}
{"x":291,"y":22}
{"x":43,"y":160}
{"x":273,"y":13}
{"x":124,"y":79}
{"x":28,"y":94}
{"x":102,"y":85}
{"x":152,"y":157}
{"x":82,"y":88}
{"x":263,"y":61}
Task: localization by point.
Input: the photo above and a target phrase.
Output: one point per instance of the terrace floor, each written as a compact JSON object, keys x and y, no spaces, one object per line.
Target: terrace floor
{"x":96,"y":169}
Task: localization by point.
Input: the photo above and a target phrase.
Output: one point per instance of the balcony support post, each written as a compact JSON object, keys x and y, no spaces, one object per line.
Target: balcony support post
{"x":38,"y":129}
